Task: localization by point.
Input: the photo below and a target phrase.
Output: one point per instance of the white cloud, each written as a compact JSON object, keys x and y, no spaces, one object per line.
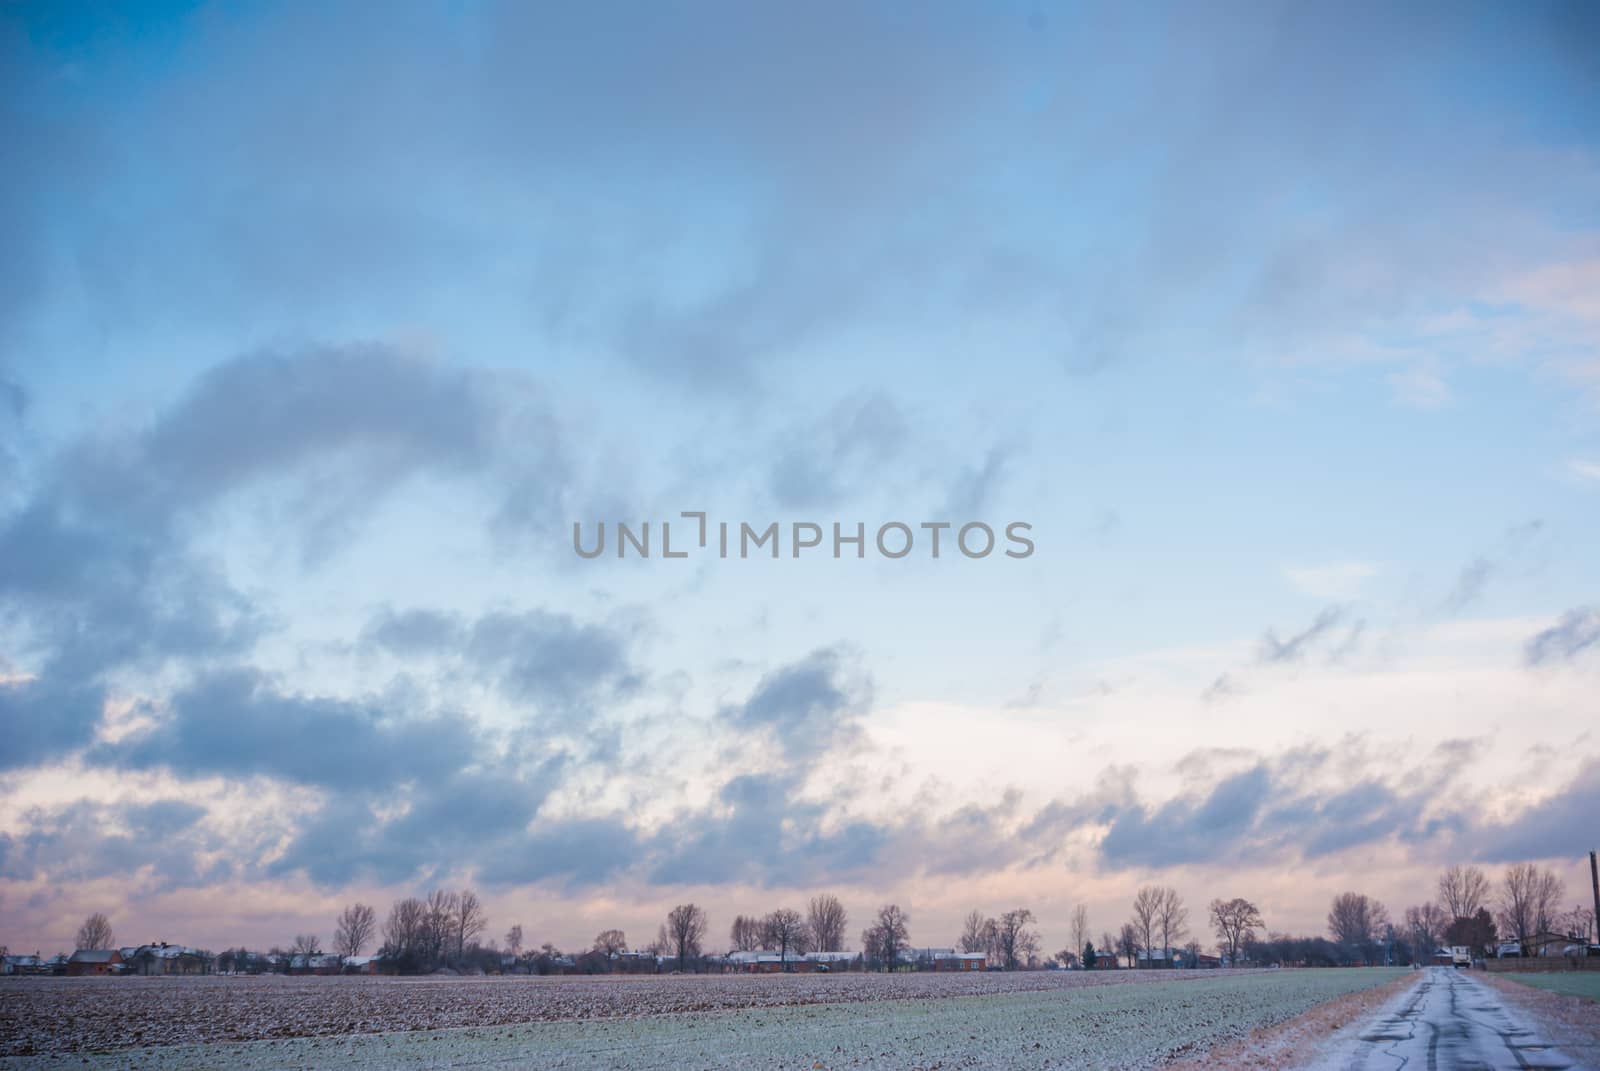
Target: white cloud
{"x":1584,"y":470}
{"x":1331,"y":580}
{"x":1421,"y":388}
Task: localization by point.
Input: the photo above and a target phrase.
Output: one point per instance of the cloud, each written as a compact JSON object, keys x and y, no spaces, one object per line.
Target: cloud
{"x":807,"y":707}
{"x":973,"y":487}
{"x":1475,"y":576}
{"x":1188,"y":830}
{"x":1558,"y":827}
{"x":151,"y":846}
{"x":98,"y":566}
{"x":1576,"y":632}
{"x":239,"y":723}
{"x":42,"y":718}
{"x":1299,"y":804}
{"x":551,"y":660}
{"x":468,"y":819}
{"x":563,"y":667}
{"x":1421,"y":387}
{"x":1222,"y":688}
{"x":410,"y":633}
{"x":1333,"y":580}
{"x":1274,"y":650}
{"x":832,"y":459}
{"x":1584,"y":469}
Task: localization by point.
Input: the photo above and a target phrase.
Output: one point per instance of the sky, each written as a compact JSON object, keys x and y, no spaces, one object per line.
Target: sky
{"x":321,"y":329}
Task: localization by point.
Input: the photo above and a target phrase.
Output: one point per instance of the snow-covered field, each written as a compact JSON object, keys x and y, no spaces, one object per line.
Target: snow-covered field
{"x":1121,"y":1020}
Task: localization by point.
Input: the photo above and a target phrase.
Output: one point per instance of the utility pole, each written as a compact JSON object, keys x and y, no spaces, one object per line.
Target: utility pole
{"x":1594,"y":879}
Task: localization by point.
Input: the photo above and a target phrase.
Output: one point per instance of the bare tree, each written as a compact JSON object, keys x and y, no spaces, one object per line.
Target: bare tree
{"x":1080,"y":928}
{"x":887,"y":937}
{"x":827,"y":920}
{"x":405,"y":932}
{"x":439,"y":924}
{"x":1234,"y":920}
{"x":1147,"y":915}
{"x":1579,"y":922}
{"x":514,"y":940}
{"x":610,"y":943}
{"x":1529,"y":900}
{"x":972,"y":937}
{"x":1127,"y":943}
{"x":1462,"y":890}
{"x":1357,"y":922}
{"x":95,"y":933}
{"x":745,"y":935}
{"x":354,"y":929}
{"x":469,"y":922}
{"x":1014,"y":940}
{"x":305,"y":944}
{"x":784,"y":930}
{"x":685,"y":929}
{"x":1173,"y":918}
{"x":1426,"y":925}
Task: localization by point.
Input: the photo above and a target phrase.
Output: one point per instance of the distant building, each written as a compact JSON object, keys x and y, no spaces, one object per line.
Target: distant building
{"x":944,"y":959}
{"x":1538,"y":944}
{"x":90,"y":961}
{"x":164,"y":959}
{"x":315,"y":963}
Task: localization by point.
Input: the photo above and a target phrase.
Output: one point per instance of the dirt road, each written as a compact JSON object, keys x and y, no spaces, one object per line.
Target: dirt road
{"x":1448,"y":1020}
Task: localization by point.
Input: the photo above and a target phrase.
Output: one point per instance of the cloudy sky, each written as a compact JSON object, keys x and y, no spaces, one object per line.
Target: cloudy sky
{"x":319,"y":329}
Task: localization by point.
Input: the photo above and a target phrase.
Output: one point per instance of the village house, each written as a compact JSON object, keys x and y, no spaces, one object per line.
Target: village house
{"x":163,"y":959}
{"x":93,"y":961}
{"x":1159,"y":958}
{"x":22,"y":965}
{"x":768,"y":962}
{"x":317,"y":963}
{"x":944,"y":959}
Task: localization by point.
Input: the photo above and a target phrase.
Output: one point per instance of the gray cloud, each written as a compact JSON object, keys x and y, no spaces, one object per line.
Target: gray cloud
{"x":1471,"y":581}
{"x":1274,"y":650}
{"x":807,"y":707}
{"x":1559,"y":826}
{"x":159,"y":845}
{"x":564,"y":667}
{"x":237,"y":722}
{"x":466,"y":818}
{"x":1188,"y":830}
{"x":97,"y":571}
{"x":43,"y":718}
{"x":833,"y":458}
{"x":552,"y":660}
{"x":974,"y":486}
{"x":1280,"y":808}
{"x":1577,"y":631}
{"x":409,"y":633}
{"x":1222,"y":688}
{"x":1476,"y":575}
{"x":764,"y":828}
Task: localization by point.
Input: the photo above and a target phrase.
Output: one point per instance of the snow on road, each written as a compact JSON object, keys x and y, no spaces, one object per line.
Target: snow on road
{"x":1449,"y":1020}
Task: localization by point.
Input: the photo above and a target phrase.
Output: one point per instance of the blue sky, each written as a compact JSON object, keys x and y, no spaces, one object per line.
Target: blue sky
{"x":319,"y":330}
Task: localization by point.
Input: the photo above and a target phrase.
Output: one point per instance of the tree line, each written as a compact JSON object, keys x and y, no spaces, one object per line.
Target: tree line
{"x":445,"y":930}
